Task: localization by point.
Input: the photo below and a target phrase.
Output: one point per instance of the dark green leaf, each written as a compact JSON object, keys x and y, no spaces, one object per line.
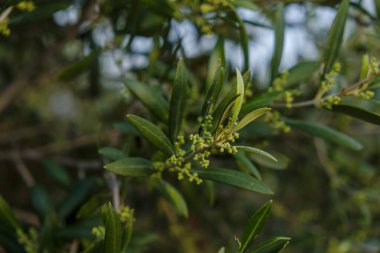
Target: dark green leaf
{"x":326,"y":133}
{"x":112,"y":239}
{"x":335,"y":36}
{"x":55,"y":171}
{"x":174,"y":197}
{"x":153,"y":101}
{"x":178,"y":101}
{"x":366,"y":110}
{"x":244,"y":39}
{"x":254,"y":226}
{"x":213,"y":91}
{"x":245,"y":4}
{"x":42,"y":12}
{"x":258,"y":102}
{"x":234,"y":178}
{"x":279,"y":29}
{"x":272,"y":246}
{"x":78,"y":193}
{"x":78,"y":67}
{"x":6,"y":215}
{"x":152,"y":134}
{"x":223,"y":110}
{"x":131,"y":166}
{"x":301,"y":72}
{"x":112,"y":153}
{"x":217,"y":61}
{"x":41,"y":200}
{"x":246,"y":165}
{"x":91,"y":206}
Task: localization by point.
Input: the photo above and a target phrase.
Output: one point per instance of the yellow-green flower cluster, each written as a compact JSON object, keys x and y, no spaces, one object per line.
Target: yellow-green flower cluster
{"x":366,"y":94}
{"x":25,"y":6}
{"x":280,"y":82}
{"x":4,"y":29}
{"x":28,"y":240}
{"x":273,"y":118}
{"x":330,"y":101}
{"x":329,"y":82}
{"x":125,"y":213}
{"x":98,"y":231}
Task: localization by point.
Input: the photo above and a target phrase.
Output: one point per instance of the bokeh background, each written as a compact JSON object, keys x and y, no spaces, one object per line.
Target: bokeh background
{"x":62,"y":98}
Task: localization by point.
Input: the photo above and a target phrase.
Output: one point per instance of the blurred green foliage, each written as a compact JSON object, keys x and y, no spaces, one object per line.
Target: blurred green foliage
{"x":71,"y":72}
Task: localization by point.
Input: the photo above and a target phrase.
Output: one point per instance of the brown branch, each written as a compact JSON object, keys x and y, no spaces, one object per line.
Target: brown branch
{"x":23,"y":170}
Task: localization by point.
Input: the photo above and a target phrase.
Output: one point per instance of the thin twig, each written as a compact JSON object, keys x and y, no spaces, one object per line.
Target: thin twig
{"x":23,"y":170}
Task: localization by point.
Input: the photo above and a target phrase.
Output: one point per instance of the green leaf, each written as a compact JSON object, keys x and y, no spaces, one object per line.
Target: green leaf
{"x":301,"y":73}
{"x":152,"y":134}
{"x":222,"y":250}
{"x":174,"y":197}
{"x":257,"y":151}
{"x":259,"y":102}
{"x":326,"y":133}
{"x":217,"y":61}
{"x":131,"y":166}
{"x":280,"y":163}
{"x":364,"y":70}
{"x":91,"y":206}
{"x":78,"y":67}
{"x":245,"y":4}
{"x":6,"y":215}
{"x":56,"y":171}
{"x":279,"y":29}
{"x":213,"y":91}
{"x":154,"y":102}
{"x":239,"y":100}
{"x":254,"y":226}
{"x":41,"y":200}
{"x":112,"y":239}
{"x":272,"y":246}
{"x":234,"y":178}
{"x":244,"y":39}
{"x":223,"y":110}
{"x":335,"y":36}
{"x":112,"y":153}
{"x":246,"y":165}
{"x":250,"y":117}
{"x":367,"y":110}
{"x":42,"y":12}
{"x":178,"y":101}
{"x":78,"y":193}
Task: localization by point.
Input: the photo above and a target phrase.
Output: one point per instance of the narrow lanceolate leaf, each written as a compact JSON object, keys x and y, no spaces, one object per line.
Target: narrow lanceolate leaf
{"x":234,"y":178}
{"x":258,"y":102}
{"x":112,"y":153}
{"x":301,"y":72}
{"x":272,"y":246}
{"x":257,"y":151}
{"x":250,"y":117}
{"x":174,"y":197}
{"x":213,"y":91}
{"x":178,"y":101}
{"x":217,"y":60}
{"x":279,"y":29}
{"x":155,"y":103}
{"x":152,"y":134}
{"x":112,"y":239}
{"x":131,"y":166}
{"x":281,"y":163}
{"x":246,"y":165}
{"x":240,"y":99}
{"x":7,"y":217}
{"x":366,"y":110}
{"x":335,"y":36}
{"x":223,"y":110}
{"x":324,"y":132}
{"x":364,"y":69}
{"x":254,"y":226}
{"x":244,"y":39}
